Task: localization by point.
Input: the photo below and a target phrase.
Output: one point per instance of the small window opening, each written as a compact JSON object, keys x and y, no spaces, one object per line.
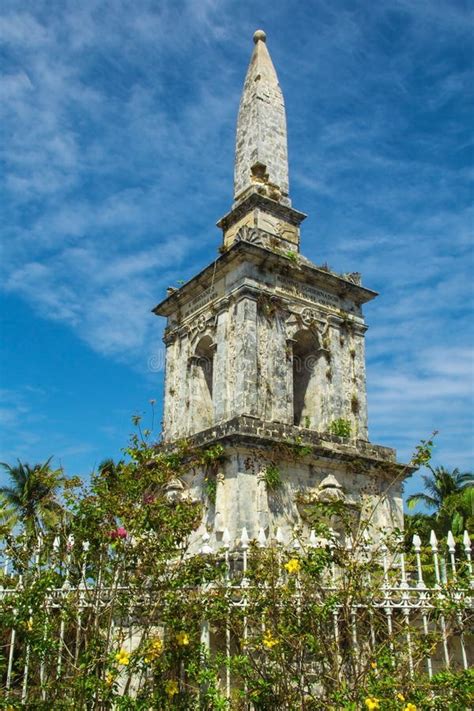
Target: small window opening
{"x":204,"y":375}
{"x":305,"y":354}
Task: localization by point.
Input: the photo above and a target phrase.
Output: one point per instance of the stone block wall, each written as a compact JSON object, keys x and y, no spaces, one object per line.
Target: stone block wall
{"x":272,"y":341}
{"x":244,"y":499}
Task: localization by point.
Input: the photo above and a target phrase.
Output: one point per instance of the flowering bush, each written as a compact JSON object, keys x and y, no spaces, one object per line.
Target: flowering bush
{"x":118,"y":616}
{"x":118,"y":533}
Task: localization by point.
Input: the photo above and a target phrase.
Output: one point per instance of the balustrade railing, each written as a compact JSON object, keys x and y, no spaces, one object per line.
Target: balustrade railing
{"x":59,"y":597}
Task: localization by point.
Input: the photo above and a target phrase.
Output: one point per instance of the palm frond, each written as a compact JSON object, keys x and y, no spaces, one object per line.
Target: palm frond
{"x":420,"y":498}
{"x":11,"y":495}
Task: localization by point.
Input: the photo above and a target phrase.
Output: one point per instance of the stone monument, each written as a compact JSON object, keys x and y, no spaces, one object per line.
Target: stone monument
{"x":265,"y":356}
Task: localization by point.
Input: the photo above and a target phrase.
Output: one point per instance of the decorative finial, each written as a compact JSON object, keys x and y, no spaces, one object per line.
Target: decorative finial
{"x":259,"y":35}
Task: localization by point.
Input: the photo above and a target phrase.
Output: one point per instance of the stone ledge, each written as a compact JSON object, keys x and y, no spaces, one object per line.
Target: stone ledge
{"x":242,"y":251}
{"x":255,"y":199}
{"x":251,"y":430}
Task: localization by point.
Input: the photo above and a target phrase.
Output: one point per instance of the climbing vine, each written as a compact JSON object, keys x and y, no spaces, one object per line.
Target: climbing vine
{"x":272,"y":477}
{"x":113,"y":608}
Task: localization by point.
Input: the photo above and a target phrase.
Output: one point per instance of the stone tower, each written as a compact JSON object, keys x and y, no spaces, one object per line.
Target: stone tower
{"x":265,"y":354}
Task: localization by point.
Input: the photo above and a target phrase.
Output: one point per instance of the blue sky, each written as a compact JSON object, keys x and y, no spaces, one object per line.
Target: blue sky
{"x":118,"y":122}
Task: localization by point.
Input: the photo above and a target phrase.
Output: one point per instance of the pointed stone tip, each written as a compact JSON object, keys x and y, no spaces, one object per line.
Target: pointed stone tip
{"x":259,"y":36}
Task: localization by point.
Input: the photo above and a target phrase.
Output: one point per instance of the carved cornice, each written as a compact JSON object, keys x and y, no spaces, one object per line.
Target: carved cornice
{"x":247,"y":292}
{"x":171,"y":334}
{"x":223,"y":304}
{"x":245,"y":430}
{"x":289,"y":214}
{"x":304,"y":271}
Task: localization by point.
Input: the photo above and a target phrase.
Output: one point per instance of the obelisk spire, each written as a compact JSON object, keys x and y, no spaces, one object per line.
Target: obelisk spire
{"x":262,"y":210}
{"x":261,"y":155}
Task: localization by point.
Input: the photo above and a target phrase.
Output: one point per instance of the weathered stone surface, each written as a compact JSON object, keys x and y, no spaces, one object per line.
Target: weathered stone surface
{"x":261,"y":157}
{"x":361,"y":475}
{"x":270,"y":321}
{"x":256,"y":431}
{"x":266,"y":349}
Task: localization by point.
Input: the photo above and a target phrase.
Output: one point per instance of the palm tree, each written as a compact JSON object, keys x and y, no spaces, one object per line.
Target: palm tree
{"x":109,"y":471}
{"x":459,"y":510}
{"x":32,"y":496}
{"x":417,"y":523}
{"x":8,"y":518}
{"x":440,"y":484}
{"x":449,"y":494}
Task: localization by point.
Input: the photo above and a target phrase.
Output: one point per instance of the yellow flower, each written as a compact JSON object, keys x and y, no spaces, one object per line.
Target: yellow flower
{"x":372,"y":703}
{"x":410,"y":707}
{"x":269,"y":640}
{"x":29,"y":625}
{"x":154,"y":650}
{"x":109,"y":678}
{"x":182,"y":639}
{"x":373,"y":665}
{"x":171,"y":687}
{"x":293,"y":566}
{"x":400,"y":697}
{"x":123,"y":657}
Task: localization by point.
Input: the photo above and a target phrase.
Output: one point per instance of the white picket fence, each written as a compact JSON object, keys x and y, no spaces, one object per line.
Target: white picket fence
{"x":409,"y":594}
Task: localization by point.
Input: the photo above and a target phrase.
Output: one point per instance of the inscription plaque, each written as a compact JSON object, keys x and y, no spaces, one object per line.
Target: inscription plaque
{"x":310,"y":293}
{"x":204,"y":298}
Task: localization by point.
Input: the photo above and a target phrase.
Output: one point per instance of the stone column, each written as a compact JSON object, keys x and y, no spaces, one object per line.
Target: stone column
{"x":175,"y":412}
{"x":281,"y":370}
{"x":183,"y":390}
{"x":327,"y":374}
{"x":220,"y":505}
{"x":220,"y":390}
{"x":245,"y":334}
{"x":168,"y":390}
{"x":360,"y":383}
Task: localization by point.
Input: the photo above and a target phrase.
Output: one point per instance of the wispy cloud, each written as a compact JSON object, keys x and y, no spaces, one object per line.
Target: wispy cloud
{"x":98,"y":170}
{"x":118,"y":125}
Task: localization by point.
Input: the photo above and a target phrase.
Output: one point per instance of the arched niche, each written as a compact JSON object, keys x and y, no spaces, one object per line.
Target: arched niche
{"x":203,"y":384}
{"x":305,"y":392}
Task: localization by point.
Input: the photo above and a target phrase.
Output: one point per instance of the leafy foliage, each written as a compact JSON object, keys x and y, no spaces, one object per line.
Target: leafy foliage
{"x":136,"y":604}
{"x":451,"y":495}
{"x":32,"y":496}
{"x":340,"y":427}
{"x":272,"y":477}
{"x":439,"y":485}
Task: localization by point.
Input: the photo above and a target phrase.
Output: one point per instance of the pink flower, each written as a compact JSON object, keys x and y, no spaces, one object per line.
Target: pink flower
{"x":149,"y":499}
{"x":120,"y":532}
